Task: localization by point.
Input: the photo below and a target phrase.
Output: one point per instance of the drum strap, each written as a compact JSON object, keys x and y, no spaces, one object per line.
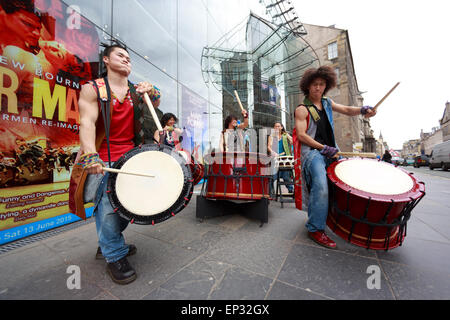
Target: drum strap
{"x":104,"y":97}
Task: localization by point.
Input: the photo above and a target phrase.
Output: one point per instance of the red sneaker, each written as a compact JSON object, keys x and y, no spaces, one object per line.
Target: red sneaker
{"x":321,"y":238}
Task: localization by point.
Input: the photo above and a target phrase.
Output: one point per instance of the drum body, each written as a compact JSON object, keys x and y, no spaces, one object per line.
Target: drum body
{"x":145,"y":200}
{"x":237,"y":176}
{"x":371,"y":201}
{"x":197,"y":169}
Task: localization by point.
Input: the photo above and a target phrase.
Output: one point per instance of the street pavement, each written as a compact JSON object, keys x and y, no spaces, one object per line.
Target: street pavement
{"x":233,"y":258}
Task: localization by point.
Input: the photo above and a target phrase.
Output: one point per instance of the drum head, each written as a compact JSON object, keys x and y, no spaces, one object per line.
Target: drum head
{"x":149,"y":196}
{"x":149,"y":200}
{"x":374,"y":177}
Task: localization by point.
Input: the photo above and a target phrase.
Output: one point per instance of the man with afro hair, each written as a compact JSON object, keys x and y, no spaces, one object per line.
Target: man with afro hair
{"x":315,"y":145}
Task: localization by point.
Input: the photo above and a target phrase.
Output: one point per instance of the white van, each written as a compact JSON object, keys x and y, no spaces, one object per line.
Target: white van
{"x":440,"y":156}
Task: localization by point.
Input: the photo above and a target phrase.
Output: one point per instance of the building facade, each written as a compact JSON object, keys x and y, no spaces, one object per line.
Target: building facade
{"x":382,"y":146}
{"x":438,"y":134}
{"x":332,"y":46}
{"x":411,"y":148}
{"x":445,"y":122}
{"x":187,"y":49}
{"x":429,"y":139}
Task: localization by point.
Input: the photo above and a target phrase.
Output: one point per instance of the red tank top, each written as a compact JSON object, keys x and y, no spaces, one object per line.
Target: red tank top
{"x":121,"y":130}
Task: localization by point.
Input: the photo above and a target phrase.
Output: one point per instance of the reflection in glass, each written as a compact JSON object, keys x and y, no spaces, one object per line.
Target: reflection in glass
{"x":149,"y":27}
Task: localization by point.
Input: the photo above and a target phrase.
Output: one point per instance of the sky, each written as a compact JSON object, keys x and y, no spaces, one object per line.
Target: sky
{"x":406,"y":41}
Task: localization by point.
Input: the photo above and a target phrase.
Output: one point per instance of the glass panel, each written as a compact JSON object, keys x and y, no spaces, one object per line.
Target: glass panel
{"x":192,"y":39}
{"x":98,"y":12}
{"x":142,"y":70}
{"x":149,"y":28}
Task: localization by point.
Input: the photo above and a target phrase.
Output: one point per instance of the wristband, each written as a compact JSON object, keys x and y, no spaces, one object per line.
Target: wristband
{"x":89,"y":159}
{"x":365,"y":109}
{"x":155,"y":94}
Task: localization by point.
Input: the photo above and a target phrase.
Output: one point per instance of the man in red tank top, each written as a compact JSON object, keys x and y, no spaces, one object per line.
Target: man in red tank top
{"x":109,"y":224}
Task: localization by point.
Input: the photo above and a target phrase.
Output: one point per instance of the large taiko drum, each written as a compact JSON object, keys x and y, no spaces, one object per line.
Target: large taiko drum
{"x":371,"y":202}
{"x":147,"y":200}
{"x":237,"y":176}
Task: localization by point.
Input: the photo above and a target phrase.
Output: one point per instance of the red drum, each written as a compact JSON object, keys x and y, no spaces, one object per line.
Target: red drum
{"x":197,"y":169}
{"x":371,"y":202}
{"x":237,"y":176}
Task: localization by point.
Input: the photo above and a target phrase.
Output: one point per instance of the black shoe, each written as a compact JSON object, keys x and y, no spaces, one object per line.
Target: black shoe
{"x":121,"y":271}
{"x":131,"y":250}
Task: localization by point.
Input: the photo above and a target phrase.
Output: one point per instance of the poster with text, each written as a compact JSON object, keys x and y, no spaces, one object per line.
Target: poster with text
{"x":47,"y":51}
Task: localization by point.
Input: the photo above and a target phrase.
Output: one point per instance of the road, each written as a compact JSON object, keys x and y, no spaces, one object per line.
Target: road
{"x":426,"y":170}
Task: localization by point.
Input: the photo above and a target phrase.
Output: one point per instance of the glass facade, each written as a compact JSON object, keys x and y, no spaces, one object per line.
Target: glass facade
{"x":197,"y":52}
{"x":207,"y":48}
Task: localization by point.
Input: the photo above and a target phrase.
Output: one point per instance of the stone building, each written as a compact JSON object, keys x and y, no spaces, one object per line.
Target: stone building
{"x":332,"y":46}
{"x":438,"y":134}
{"x":445,"y":122}
{"x":429,"y":139}
{"x":411,"y":148}
{"x":381,"y":146}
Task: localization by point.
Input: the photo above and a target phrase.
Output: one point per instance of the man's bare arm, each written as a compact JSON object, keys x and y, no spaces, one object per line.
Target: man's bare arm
{"x":352,"y":111}
{"x":88,"y":116}
{"x":347,"y":110}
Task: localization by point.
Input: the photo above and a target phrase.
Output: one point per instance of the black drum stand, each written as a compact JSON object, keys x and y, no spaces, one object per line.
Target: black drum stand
{"x":256,"y":209}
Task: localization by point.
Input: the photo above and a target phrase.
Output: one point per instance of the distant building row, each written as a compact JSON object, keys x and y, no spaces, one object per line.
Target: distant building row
{"x":428,"y":140}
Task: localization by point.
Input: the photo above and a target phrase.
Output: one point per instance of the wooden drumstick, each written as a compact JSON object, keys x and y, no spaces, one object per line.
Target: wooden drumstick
{"x":386,"y":95}
{"x":357,"y":154}
{"x":238,"y":100}
{"x":152,"y":111}
{"x":127,"y":172}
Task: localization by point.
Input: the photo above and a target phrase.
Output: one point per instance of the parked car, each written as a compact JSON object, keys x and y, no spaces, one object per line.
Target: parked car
{"x":408,"y":162}
{"x":440,"y":156}
{"x":397,"y":161}
{"x":421,"y":161}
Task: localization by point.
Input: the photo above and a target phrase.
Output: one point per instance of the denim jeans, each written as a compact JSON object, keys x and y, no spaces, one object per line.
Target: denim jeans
{"x":109,"y":226}
{"x":315,"y":174}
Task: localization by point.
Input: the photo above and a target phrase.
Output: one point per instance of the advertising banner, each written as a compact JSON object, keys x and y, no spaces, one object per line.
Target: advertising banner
{"x":195,"y":123}
{"x":47,"y":51}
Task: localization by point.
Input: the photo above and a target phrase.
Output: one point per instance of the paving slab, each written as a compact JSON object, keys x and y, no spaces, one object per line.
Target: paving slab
{"x":253,"y":251}
{"x":332,"y":273}
{"x":409,"y":283}
{"x":284,"y":291}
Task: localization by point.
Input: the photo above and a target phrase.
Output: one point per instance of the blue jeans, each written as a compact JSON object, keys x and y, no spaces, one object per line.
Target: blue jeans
{"x":109,"y":226}
{"x":315,"y":173}
{"x":286,"y":176}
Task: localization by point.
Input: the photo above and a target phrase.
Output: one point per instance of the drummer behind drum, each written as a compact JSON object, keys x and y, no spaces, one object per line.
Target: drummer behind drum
{"x":314,"y":130}
{"x":232,"y":138}
{"x":171,"y":135}
{"x":282,"y":142}
{"x":123,"y":131}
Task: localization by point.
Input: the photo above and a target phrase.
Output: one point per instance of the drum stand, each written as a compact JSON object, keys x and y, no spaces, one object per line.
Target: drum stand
{"x":208,"y":208}
{"x":248,"y":194}
{"x":278,"y":192}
